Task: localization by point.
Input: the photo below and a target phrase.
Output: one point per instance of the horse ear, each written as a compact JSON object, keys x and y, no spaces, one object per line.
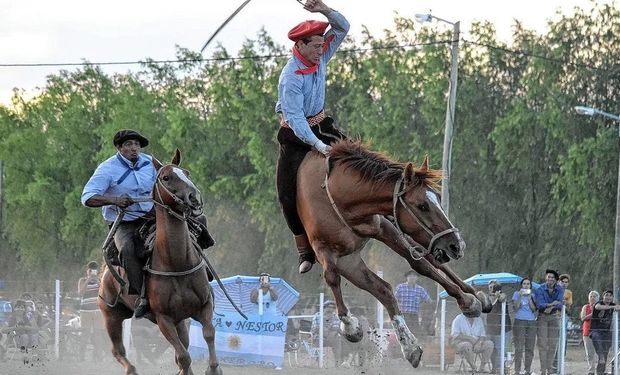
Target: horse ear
{"x":424,"y":167}
{"x":176,"y":160}
{"x":408,"y":175}
{"x":156,"y":163}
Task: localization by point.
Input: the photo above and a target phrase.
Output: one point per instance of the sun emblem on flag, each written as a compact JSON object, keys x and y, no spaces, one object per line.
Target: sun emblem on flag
{"x":234,"y":342}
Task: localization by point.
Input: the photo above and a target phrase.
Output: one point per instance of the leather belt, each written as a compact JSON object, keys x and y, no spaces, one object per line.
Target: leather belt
{"x":312,"y":120}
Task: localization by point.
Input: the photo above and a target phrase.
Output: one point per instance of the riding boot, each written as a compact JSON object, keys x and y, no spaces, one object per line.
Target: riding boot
{"x":600,"y":369}
{"x":306,"y":254}
{"x":143,"y":305}
{"x":205,"y":240}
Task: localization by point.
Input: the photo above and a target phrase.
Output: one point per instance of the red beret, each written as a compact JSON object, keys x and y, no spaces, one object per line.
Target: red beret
{"x":307,"y":29}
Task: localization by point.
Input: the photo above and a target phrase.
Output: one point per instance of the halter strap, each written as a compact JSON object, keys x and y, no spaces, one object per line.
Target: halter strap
{"x":148,"y":269}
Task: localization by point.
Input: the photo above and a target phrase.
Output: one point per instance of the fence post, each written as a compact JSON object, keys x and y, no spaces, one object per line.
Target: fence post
{"x":562,"y":345}
{"x":322,"y":320}
{"x":442,"y":337}
{"x":615,"y":342}
{"x":380,"y":314}
{"x":502,"y":339}
{"x":57,"y":319}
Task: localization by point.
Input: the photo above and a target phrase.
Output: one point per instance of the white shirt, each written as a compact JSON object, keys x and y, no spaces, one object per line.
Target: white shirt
{"x":470,"y":327}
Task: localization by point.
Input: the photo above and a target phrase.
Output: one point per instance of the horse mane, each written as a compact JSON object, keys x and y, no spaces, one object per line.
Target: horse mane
{"x":377,"y":167}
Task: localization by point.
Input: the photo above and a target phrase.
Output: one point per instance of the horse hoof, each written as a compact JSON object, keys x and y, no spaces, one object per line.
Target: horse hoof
{"x":217,"y":370}
{"x":352,"y":330}
{"x":415,"y":356}
{"x":485,"y":301}
{"x":474,"y":309}
{"x":131,"y":371}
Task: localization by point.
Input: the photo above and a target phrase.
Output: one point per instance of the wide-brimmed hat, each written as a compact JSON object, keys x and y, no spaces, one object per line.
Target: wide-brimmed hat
{"x":127,"y":134}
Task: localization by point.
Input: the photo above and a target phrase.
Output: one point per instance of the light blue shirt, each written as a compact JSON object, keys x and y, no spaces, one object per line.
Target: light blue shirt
{"x":525,"y":311}
{"x":303,"y":95}
{"x":116,"y":177}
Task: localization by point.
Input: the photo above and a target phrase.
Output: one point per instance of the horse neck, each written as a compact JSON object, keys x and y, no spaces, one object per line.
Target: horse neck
{"x":172,"y":243}
{"x":361,"y":198}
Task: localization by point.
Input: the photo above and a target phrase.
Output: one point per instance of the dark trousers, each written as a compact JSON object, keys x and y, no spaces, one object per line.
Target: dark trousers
{"x":130,"y":245}
{"x":548,"y":330}
{"x":601,"y":340}
{"x":524,"y":338}
{"x":292,"y":152}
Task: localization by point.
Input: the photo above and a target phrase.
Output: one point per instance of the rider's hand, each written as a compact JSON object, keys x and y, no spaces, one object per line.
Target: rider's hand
{"x":323,"y":148}
{"x":315,"y":6}
{"x":123,"y":202}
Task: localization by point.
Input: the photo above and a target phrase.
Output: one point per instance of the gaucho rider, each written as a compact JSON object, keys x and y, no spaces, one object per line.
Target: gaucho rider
{"x":118,"y":182}
{"x":303,"y":123}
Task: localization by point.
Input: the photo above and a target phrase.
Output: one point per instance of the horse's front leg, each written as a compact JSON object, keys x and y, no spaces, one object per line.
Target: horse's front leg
{"x":355,"y":270}
{"x":467,"y":302}
{"x":482,"y":296}
{"x":350,"y":326}
{"x":208,"y":333}
{"x":169,"y":330}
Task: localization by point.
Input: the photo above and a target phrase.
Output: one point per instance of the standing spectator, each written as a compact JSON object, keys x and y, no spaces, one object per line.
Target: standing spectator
{"x":331,"y":330}
{"x":586,"y":318}
{"x":494,"y":324}
{"x":600,"y":329}
{"x":90,"y":317}
{"x":270,"y":296}
{"x":410,"y":296}
{"x":468,"y":337}
{"x":549,"y":299}
{"x":568,"y":294}
{"x":524,"y":327}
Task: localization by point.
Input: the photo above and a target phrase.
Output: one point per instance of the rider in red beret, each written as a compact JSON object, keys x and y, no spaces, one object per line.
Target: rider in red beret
{"x":301,"y":101}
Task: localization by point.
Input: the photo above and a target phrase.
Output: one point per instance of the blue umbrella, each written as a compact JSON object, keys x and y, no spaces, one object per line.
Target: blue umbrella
{"x":484,"y":278}
{"x":239,"y":288}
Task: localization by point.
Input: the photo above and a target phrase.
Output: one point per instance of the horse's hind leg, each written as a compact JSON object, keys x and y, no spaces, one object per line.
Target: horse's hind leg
{"x":208,"y":332}
{"x":355,"y":270}
{"x":182,"y":357}
{"x":350,"y":326}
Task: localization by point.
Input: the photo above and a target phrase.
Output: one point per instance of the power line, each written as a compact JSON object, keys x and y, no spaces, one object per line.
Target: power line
{"x":213,"y":59}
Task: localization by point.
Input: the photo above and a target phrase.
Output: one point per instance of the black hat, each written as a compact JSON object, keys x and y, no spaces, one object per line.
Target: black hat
{"x":93,"y":265}
{"x":126,"y":134}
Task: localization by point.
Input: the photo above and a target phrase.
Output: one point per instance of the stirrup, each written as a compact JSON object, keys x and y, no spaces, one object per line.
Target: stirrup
{"x":142,"y":309}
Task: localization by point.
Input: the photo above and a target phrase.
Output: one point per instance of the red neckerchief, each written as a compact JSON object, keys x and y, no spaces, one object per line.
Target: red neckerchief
{"x":310,"y":67}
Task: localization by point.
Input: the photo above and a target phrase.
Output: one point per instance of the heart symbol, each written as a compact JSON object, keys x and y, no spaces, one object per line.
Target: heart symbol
{"x":228,"y":323}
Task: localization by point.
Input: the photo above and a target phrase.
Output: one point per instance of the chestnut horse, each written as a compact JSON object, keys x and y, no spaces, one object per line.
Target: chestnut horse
{"x":177,"y":284}
{"x":360,"y":188}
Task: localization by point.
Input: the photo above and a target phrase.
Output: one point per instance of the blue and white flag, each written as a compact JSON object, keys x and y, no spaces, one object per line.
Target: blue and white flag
{"x":258,"y":341}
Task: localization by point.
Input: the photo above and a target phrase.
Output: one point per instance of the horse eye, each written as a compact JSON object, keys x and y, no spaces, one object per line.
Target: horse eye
{"x":423,"y":207}
{"x":165,"y":178}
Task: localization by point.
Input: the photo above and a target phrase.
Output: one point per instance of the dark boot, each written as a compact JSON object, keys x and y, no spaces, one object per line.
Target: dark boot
{"x":600,"y":369}
{"x":306,"y":254}
{"x":143,"y":305}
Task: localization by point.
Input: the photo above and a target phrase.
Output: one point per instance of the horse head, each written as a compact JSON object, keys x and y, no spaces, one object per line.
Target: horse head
{"x":175,"y":189}
{"x":418,"y":212}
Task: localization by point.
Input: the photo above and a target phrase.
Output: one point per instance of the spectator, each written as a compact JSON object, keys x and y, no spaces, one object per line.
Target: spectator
{"x":44,"y":323}
{"x":23,"y":327}
{"x":270,"y":296}
{"x":600,"y":329}
{"x":331,"y":331}
{"x":524,"y":327}
{"x":494,"y":324}
{"x":568,"y":294}
{"x":549,"y":299}
{"x":586,"y":318}
{"x":468,"y":337}
{"x":90,"y":317}
{"x":410,"y":296}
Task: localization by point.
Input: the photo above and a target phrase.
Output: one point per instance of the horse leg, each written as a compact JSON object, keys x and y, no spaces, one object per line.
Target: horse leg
{"x":114,"y":326}
{"x":208,"y":332}
{"x":169,"y":330}
{"x":183,"y":333}
{"x":467,"y":302}
{"x":480,"y":295}
{"x":349,"y":325}
{"x":355,"y":270}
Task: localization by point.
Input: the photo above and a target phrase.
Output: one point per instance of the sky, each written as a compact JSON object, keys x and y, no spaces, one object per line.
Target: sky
{"x":61,"y":31}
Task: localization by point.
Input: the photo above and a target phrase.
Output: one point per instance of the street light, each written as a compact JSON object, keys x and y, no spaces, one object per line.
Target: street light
{"x":588,"y":111}
{"x":450,"y":109}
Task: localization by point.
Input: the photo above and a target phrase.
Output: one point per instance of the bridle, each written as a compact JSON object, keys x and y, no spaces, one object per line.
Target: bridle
{"x":416,"y":253}
{"x":416,"y":250}
{"x":186,"y":209}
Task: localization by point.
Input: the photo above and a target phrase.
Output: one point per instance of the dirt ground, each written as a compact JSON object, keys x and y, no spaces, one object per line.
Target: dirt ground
{"x":575,"y":365}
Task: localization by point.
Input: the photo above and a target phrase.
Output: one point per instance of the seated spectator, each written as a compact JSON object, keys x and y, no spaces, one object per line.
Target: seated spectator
{"x":23,"y":327}
{"x":468,"y":337}
{"x":44,"y":323}
{"x":331,"y":330}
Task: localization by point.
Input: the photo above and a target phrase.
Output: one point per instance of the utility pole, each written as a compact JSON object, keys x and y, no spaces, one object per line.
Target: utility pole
{"x":446,"y":162}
